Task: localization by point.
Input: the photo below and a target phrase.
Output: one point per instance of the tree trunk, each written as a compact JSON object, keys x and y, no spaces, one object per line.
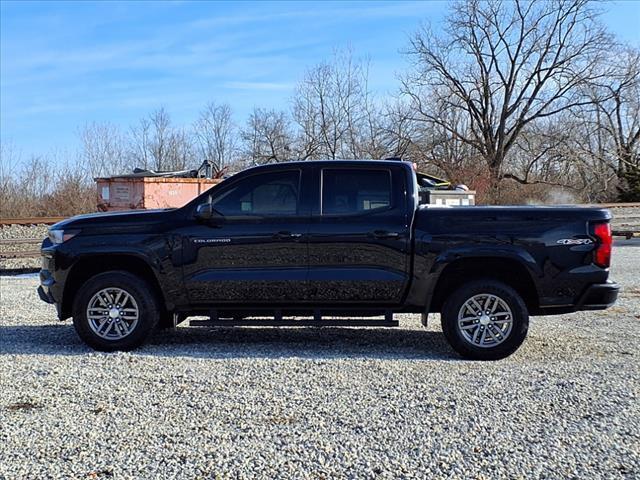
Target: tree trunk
{"x":628,"y":180}
{"x":494,"y":162}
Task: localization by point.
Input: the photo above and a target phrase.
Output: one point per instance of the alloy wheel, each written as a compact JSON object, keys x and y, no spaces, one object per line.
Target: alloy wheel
{"x":112,"y":313}
{"x":485,"y":320}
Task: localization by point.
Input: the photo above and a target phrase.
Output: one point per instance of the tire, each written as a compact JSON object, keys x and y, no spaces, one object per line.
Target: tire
{"x":121,"y":329}
{"x":464,"y":328}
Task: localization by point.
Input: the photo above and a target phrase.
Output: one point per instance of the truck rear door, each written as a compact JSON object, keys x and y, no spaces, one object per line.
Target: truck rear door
{"x":359,"y":235}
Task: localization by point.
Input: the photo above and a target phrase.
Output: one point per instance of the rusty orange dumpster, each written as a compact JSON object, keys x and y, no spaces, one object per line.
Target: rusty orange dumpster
{"x":132,"y":193}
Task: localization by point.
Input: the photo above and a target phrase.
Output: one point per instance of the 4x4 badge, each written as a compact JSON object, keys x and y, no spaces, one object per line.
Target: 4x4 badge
{"x":574,"y":241}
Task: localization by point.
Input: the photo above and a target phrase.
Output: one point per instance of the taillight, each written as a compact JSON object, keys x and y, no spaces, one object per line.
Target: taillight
{"x":602,"y":253}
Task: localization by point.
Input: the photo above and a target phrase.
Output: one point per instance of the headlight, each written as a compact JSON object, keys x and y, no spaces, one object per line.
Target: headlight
{"x":60,"y":236}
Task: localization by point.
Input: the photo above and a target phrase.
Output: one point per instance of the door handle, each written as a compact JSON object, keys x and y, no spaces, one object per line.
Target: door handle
{"x":287,"y":235}
{"x":382,"y":234}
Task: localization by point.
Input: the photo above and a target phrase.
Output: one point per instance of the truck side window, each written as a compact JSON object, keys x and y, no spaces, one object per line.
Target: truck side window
{"x":349,"y":191}
{"x":273,"y":194}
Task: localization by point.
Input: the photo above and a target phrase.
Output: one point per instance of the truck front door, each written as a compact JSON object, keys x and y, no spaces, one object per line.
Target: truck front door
{"x":256,"y":253}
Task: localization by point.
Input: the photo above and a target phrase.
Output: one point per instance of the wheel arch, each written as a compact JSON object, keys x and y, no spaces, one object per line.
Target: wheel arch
{"x":504,"y":269}
{"x":91,"y":265}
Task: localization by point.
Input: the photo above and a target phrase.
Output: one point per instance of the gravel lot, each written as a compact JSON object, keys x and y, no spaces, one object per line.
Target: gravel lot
{"x":321,"y":403}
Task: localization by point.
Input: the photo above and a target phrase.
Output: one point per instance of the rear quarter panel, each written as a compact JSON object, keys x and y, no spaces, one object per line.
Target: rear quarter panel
{"x":530,"y":235}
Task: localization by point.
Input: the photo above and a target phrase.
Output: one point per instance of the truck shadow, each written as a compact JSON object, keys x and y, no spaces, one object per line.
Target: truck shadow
{"x":255,"y":342}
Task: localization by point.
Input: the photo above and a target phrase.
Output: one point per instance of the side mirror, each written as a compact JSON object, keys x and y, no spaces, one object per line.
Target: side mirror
{"x":207,"y":213}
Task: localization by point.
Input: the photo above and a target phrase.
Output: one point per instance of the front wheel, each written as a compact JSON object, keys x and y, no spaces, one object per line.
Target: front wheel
{"x":115,"y":311}
{"x":485,"y":320}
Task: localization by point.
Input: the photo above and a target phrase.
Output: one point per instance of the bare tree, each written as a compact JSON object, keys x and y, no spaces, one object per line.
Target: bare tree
{"x":307,"y":143}
{"x":181,"y":150}
{"x":40,"y":186}
{"x":329,"y":107}
{"x":540,"y":156}
{"x":434,"y":146}
{"x":267,"y":137}
{"x":216,"y":135}
{"x":140,"y":145}
{"x":9,"y":159}
{"x":614,"y":117}
{"x":28,"y":186}
{"x":160,"y":144}
{"x":103,"y":150}
{"x":367,"y":123}
{"x":398,"y":130}
{"x":504,"y":65}
{"x":157,"y":144}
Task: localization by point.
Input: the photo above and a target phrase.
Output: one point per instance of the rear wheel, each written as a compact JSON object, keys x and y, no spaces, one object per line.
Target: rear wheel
{"x":115,"y":311}
{"x":485,"y":320}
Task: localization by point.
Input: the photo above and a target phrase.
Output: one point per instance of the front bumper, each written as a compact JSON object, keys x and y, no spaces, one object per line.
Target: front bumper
{"x":48,"y":291}
{"x":45,"y":295}
{"x":598,"y":296}
{"x":46,"y":284}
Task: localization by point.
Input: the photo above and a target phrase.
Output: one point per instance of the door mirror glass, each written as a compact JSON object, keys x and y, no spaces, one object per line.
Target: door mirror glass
{"x":206,"y":212}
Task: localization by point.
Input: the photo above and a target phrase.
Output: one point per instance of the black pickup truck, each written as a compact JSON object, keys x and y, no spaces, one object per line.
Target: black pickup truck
{"x":340,"y":239}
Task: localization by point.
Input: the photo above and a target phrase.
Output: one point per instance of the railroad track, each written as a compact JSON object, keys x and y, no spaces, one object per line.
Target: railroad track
{"x":19,"y":241}
{"x":34,"y":243}
{"x":30,"y":221}
{"x":23,"y":253}
{"x":30,"y":246}
{"x":613,"y":205}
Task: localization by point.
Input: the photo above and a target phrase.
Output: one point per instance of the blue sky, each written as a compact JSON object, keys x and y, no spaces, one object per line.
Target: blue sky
{"x":63,"y":64}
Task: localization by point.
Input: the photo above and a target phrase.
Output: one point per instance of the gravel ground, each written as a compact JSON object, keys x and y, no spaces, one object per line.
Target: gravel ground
{"x":321,"y":403}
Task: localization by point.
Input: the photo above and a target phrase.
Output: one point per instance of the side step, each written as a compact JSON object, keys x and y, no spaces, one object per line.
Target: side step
{"x":277,"y":321}
{"x":223,"y":322}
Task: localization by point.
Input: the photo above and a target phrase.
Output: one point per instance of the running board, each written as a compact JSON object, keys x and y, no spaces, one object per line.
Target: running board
{"x":223,"y":322}
{"x":277,"y":321}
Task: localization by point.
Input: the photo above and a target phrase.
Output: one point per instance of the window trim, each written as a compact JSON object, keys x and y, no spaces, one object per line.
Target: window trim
{"x":257,"y":216}
{"x":391,"y":205}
